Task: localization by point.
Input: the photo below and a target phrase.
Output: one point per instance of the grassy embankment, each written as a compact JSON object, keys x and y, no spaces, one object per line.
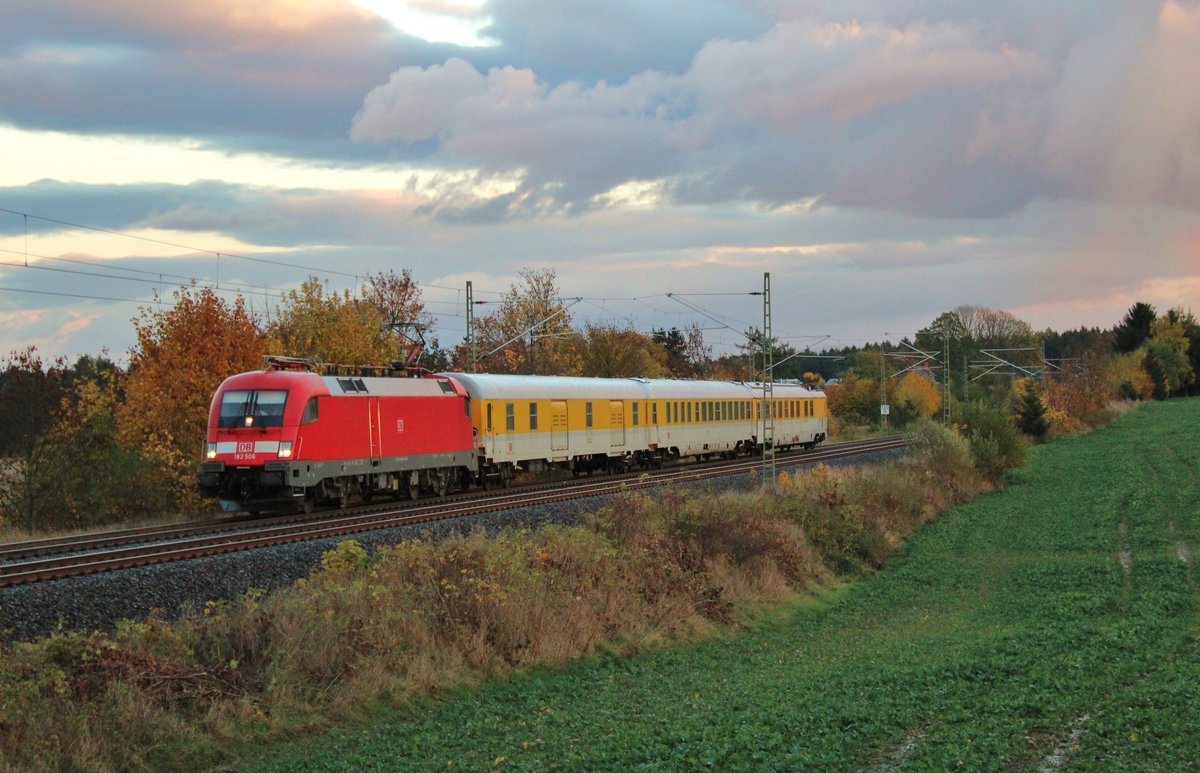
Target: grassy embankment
{"x":1055,"y":620}
{"x":419,"y":619}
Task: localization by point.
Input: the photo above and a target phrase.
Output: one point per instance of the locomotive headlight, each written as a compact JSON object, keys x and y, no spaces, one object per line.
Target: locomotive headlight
{"x":249,"y":421}
{"x":212,"y":451}
{"x":285,"y":450}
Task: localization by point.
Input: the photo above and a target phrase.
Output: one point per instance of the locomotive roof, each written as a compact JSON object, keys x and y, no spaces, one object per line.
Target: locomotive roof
{"x":342,"y":385}
{"x":389,"y":387}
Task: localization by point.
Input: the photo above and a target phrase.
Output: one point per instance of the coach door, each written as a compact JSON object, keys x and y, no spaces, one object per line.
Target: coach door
{"x":616,"y":418}
{"x":558,"y":425}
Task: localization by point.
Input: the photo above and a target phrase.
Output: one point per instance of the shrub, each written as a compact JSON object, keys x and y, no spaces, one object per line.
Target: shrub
{"x":995,"y":444}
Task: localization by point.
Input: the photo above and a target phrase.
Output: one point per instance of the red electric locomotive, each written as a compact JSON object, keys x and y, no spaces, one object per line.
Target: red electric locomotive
{"x":283,"y":434}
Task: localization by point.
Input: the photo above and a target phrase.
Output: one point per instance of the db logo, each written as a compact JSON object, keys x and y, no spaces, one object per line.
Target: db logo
{"x":245,"y":448}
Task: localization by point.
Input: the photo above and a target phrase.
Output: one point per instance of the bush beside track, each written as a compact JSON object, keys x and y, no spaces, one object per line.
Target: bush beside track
{"x":416,"y":619}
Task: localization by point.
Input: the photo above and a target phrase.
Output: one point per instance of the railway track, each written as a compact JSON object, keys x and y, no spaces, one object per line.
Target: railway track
{"x":40,"y":560}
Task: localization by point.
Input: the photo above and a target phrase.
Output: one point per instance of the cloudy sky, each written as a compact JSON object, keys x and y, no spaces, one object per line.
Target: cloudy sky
{"x":885,"y":160}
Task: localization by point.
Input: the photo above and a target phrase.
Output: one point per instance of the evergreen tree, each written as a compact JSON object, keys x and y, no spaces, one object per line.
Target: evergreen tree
{"x":1134,"y":328}
{"x":1031,"y":413}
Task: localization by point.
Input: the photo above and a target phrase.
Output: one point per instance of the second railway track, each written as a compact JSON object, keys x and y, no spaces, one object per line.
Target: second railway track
{"x":41,"y":560}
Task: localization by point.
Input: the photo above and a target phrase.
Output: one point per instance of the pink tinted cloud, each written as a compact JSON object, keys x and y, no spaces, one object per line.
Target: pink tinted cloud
{"x":845,"y":71}
{"x":1125,"y":118}
{"x":77,"y":323}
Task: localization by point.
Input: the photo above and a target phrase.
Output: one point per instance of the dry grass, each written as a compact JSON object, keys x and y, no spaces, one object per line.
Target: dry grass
{"x":412,"y":621}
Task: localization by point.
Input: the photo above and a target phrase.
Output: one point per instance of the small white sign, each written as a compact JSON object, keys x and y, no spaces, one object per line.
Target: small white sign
{"x":885,"y":409}
{"x":399,"y":425}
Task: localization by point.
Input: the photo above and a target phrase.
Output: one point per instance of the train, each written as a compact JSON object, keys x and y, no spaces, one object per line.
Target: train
{"x":288,"y":434}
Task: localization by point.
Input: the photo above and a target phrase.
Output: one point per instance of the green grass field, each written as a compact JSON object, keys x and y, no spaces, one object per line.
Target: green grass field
{"x":1056,"y":620}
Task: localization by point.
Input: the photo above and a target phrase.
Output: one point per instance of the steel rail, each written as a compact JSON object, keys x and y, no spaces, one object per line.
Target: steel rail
{"x":17,"y":551}
{"x":338,"y":523}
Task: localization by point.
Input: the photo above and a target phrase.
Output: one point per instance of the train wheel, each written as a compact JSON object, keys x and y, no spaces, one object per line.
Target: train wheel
{"x":308,"y":502}
{"x":441,"y":482}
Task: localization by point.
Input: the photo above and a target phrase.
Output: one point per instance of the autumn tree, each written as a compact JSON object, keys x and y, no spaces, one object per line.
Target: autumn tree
{"x":181,"y":356}
{"x":854,"y":399}
{"x":914,"y":395}
{"x":612,"y":352}
{"x":1127,"y":377}
{"x":530,"y":332}
{"x":318,"y":324}
{"x":1166,"y":355}
{"x":398,"y":299}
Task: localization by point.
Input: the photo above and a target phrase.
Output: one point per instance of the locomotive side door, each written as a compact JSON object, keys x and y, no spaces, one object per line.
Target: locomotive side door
{"x":375,"y":428}
{"x":558,"y":426}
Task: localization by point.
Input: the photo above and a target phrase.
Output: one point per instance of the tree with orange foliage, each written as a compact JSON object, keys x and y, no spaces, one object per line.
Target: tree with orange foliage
{"x":917,"y":395}
{"x":855,"y":400}
{"x":328,"y":326}
{"x":181,"y":356}
{"x":530,"y":332}
{"x":612,"y":352}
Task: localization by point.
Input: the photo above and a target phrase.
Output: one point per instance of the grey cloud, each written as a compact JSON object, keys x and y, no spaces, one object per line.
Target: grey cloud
{"x":580,"y":40}
{"x":840,"y":83}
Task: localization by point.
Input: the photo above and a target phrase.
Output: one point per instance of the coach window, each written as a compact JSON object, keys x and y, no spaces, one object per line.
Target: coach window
{"x":489,"y":417}
{"x":635,"y":413}
{"x":587,"y":414}
{"x":533,"y":417}
{"x":654,"y":413}
{"x":510,"y":418}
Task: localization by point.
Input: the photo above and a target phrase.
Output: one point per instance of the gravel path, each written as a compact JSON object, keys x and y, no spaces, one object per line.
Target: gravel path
{"x":97,"y":601}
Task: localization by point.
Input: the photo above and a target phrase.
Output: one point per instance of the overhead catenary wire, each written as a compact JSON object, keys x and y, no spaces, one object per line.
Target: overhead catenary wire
{"x":108,"y":270}
{"x":178,"y":245}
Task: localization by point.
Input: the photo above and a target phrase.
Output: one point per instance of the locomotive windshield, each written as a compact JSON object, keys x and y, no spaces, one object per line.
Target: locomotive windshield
{"x":252,"y":408}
